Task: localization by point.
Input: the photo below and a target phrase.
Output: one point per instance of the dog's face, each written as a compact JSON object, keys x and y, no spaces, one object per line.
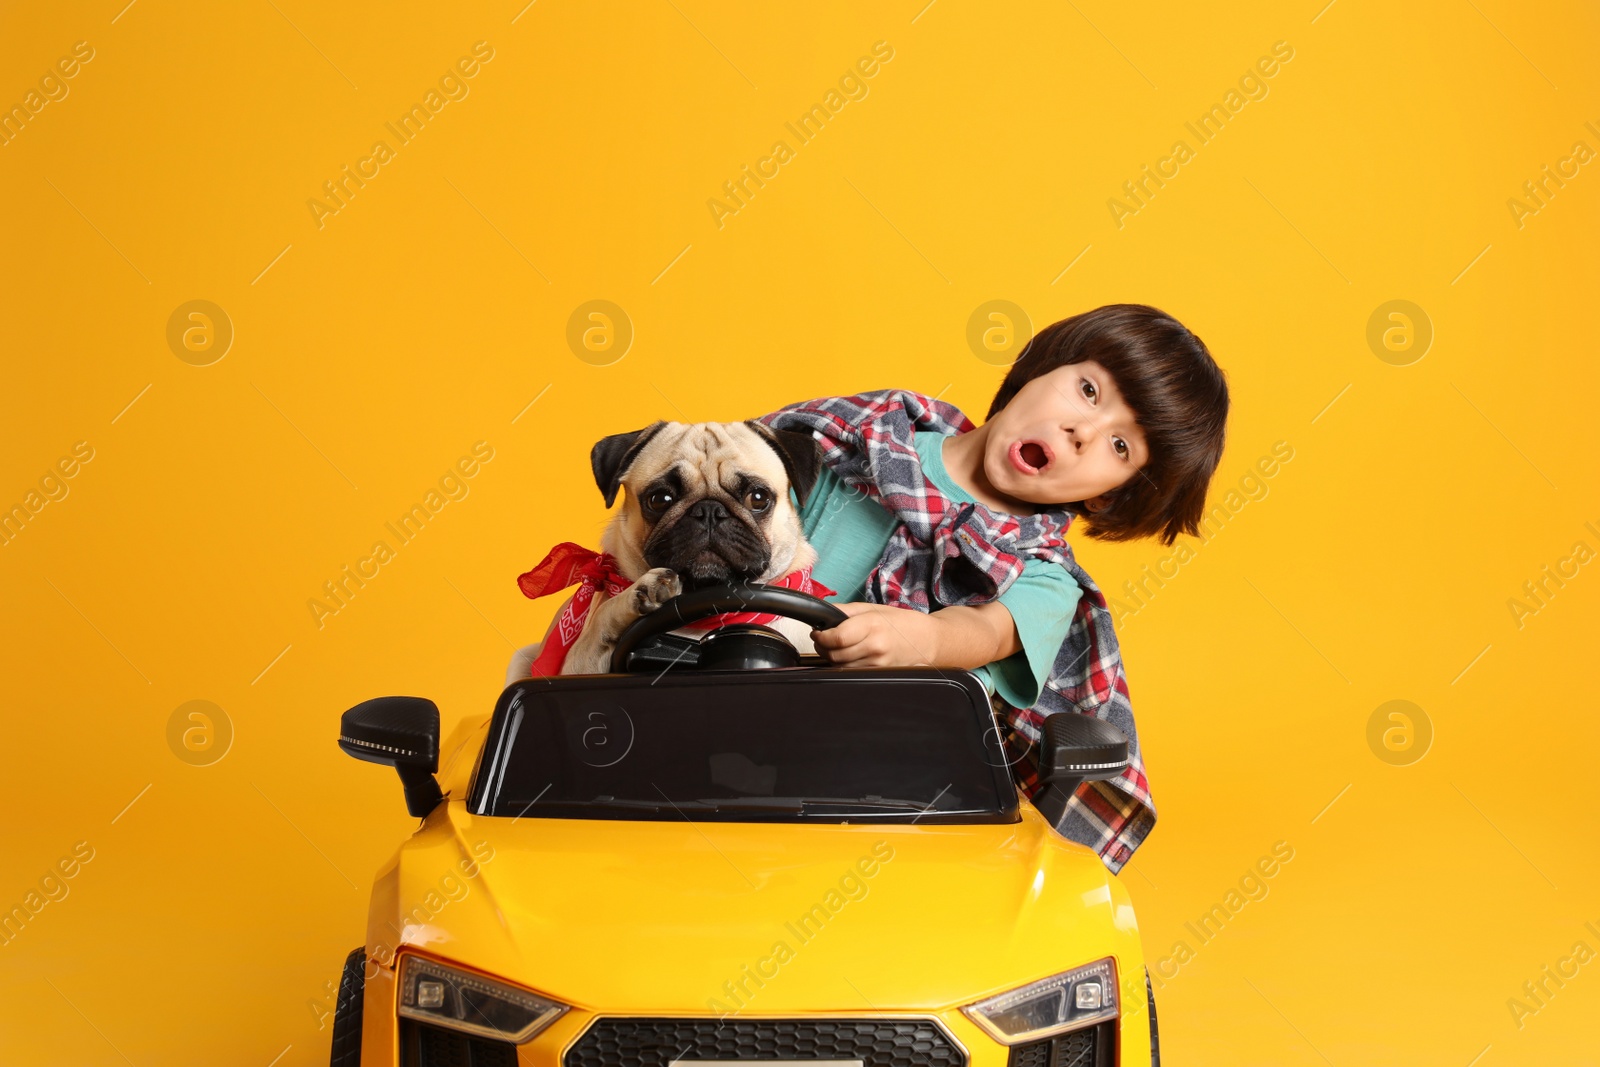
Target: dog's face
{"x":710,"y":500}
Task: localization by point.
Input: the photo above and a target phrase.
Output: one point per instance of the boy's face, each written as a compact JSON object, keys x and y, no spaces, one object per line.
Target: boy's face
{"x":1067,"y":436}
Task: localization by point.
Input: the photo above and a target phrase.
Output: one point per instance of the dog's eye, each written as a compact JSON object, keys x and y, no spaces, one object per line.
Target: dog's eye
{"x":659,"y":499}
{"x":759,"y":500}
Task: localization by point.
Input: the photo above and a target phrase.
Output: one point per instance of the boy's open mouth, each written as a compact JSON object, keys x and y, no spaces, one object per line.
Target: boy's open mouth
{"x":1030,"y":457}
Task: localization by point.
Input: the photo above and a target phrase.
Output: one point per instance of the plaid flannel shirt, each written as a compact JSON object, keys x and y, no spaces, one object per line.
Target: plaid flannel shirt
{"x":943,"y":554}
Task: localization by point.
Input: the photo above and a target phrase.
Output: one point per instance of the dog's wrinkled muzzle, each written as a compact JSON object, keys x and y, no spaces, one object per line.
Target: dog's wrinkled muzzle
{"x":709,"y":545}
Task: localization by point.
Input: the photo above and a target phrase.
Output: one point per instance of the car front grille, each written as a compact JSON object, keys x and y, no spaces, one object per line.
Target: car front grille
{"x":659,"y":1042}
{"x":1081,"y":1048}
{"x":431,"y":1046}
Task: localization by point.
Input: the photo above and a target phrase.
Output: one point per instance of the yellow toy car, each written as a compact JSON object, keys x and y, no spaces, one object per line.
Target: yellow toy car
{"x":725,"y":853}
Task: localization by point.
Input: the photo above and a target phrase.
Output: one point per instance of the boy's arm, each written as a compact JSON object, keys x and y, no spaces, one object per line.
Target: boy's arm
{"x":878,"y":635}
{"x":975,"y":636}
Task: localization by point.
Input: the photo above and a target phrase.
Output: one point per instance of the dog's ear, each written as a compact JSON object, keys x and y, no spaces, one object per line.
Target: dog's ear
{"x":611,"y":456}
{"x":801,"y":455}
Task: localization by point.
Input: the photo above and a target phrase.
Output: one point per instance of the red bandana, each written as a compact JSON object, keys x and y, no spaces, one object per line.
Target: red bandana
{"x":569,"y":564}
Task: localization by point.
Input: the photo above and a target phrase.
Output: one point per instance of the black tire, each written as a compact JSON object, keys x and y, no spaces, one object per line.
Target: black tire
{"x":347,"y":1011}
{"x":1155,"y":1040}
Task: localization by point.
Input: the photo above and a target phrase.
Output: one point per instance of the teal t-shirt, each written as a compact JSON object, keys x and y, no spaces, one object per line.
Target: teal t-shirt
{"x":850,"y":531}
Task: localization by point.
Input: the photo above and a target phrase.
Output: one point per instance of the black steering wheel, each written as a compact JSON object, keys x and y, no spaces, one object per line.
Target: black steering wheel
{"x":646,"y":643}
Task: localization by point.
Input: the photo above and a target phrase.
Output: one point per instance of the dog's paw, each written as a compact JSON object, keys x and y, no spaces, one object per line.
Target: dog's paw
{"x":655,"y":588}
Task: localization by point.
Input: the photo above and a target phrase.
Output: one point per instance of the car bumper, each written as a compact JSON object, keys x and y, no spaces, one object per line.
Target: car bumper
{"x":875,"y":1038}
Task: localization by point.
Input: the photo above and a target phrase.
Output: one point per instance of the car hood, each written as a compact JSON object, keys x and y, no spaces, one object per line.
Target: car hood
{"x":674,"y":916}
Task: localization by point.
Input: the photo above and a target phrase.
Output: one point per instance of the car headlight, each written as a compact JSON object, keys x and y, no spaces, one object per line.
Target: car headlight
{"x":433,"y":993}
{"x":1067,"y":1001}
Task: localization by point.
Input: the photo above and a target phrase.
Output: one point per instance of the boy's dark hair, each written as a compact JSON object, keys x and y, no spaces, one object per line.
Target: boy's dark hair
{"x":1177,"y":393}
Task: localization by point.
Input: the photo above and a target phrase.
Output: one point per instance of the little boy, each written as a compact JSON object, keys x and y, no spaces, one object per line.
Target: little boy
{"x":1116,"y":415}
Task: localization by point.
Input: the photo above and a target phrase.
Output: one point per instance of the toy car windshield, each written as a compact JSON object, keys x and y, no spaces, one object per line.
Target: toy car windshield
{"x":832,"y":745}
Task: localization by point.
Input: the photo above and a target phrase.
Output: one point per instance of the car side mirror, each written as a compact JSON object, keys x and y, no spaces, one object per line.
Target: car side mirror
{"x":1073,"y":749}
{"x":402,"y":732}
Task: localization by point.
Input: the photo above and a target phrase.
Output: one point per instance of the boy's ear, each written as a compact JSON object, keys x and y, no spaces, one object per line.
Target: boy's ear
{"x":1097,"y":503}
{"x":611,"y":456}
{"x":801,"y":455}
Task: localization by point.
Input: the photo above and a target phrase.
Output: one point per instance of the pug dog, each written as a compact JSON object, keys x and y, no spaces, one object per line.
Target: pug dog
{"x":706,"y":504}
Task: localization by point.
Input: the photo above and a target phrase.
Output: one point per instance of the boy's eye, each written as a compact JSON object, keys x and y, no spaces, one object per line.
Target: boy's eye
{"x":1088,"y":388}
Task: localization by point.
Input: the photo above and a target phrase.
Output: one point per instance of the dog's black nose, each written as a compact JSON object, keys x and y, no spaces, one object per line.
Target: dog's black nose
{"x":708,"y":511}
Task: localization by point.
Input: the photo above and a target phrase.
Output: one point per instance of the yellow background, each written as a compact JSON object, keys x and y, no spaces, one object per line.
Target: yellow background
{"x":372,"y":352}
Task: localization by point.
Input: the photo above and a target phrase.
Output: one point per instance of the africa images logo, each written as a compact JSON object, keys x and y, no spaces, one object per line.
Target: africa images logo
{"x":452,"y":86}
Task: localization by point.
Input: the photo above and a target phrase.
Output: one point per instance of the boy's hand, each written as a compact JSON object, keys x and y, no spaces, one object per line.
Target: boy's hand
{"x":878,"y":635}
